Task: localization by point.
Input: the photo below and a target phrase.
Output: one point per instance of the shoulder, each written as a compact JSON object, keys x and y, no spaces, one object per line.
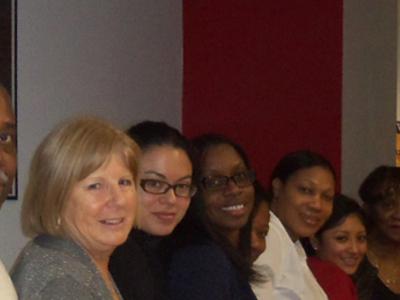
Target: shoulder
{"x":204,"y":255}
{"x":280,"y":247}
{"x":201,"y":272}
{"x":7,"y":290}
{"x":330,"y":276}
{"x":39,"y":266}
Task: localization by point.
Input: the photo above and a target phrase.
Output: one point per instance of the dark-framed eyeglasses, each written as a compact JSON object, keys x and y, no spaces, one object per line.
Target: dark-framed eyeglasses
{"x":158,"y":187}
{"x":241,"y":179}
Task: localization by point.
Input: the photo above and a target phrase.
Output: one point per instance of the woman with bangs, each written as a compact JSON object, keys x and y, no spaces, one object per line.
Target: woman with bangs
{"x":338,"y":248}
{"x":79,"y":205}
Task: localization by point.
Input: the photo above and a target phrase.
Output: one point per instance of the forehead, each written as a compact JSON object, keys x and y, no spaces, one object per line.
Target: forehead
{"x":221,"y":157}
{"x":351,"y":223}
{"x":315,"y":174}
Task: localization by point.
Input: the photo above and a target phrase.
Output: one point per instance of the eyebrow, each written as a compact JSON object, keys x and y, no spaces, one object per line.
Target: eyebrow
{"x":164,"y":177}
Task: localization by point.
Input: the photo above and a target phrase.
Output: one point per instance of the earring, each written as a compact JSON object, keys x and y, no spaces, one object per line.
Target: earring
{"x":58,"y":222}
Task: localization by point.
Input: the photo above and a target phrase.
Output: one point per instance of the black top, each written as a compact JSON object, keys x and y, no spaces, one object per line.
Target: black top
{"x":137,"y":268}
{"x":370,"y":286}
{"x":202,"y":271}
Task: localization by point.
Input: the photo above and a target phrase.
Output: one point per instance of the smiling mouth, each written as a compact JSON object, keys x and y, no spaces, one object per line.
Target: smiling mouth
{"x":233,"y":207}
{"x":351,"y":262}
{"x":116,"y":221}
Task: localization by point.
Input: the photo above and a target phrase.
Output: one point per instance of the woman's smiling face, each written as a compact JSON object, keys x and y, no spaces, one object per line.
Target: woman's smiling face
{"x":227,"y":207}
{"x":304,"y":202}
{"x":345,"y":245}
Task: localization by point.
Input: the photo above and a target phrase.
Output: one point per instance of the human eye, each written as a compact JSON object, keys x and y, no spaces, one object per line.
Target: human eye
{"x":328,"y":197}
{"x":154,"y":185}
{"x":125,"y":181}
{"x":6,"y":137}
{"x":183,"y":189}
{"x":362,"y":238}
{"x":306,"y":190}
{"x":94,"y":186}
{"x":215,"y":182}
{"x":341,"y":238}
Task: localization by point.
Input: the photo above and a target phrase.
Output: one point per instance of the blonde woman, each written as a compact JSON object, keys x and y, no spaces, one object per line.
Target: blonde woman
{"x":79,"y":205}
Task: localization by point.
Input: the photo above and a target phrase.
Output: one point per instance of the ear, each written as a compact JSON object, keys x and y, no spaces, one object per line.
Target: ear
{"x":276,"y":188}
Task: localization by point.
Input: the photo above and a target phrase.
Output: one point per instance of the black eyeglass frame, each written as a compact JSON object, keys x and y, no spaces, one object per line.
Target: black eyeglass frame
{"x":168,"y":186}
{"x":251,"y":175}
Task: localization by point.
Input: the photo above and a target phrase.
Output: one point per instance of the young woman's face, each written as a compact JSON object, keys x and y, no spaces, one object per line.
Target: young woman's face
{"x":158,"y":214}
{"x":344,"y":245}
{"x":227,"y":207}
{"x":259,"y":230}
{"x":304,"y":202}
{"x":386,"y":217}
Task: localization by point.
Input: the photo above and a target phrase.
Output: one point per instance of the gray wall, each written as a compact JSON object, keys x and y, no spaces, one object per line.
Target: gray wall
{"x":369,"y":88}
{"x":121,"y":60}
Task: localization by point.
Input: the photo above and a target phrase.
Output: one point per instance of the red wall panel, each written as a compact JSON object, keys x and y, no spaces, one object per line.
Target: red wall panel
{"x":266,"y":73}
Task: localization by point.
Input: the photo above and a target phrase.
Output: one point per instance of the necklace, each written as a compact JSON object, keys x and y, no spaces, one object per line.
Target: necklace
{"x":390,"y":276}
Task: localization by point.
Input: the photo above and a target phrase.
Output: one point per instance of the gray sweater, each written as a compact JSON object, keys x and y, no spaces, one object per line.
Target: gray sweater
{"x":54,"y":268}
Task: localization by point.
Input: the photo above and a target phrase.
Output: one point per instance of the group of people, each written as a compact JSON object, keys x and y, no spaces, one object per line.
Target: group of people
{"x":148,"y":214}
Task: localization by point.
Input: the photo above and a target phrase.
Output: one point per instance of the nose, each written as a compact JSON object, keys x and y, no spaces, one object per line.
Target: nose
{"x":115,"y":194}
{"x":316,"y":202}
{"x":231,"y":187}
{"x":169,"y":197}
{"x":354,"y":246}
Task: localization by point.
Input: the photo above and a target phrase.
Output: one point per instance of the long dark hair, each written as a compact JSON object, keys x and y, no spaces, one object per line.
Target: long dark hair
{"x":196,"y":228}
{"x":148,"y":134}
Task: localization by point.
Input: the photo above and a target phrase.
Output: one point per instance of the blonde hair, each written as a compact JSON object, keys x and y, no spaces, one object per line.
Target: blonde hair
{"x":68,"y":154}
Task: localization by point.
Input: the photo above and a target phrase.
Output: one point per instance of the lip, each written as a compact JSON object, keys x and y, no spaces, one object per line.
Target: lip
{"x":113,"y":222}
{"x":165,"y":217}
{"x":310,"y":219}
{"x":235,"y":209}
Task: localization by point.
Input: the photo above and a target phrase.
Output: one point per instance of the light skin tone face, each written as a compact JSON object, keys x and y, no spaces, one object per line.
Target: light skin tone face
{"x":100,"y":210}
{"x":259,"y":230}
{"x":344,"y":245}
{"x":8,"y":159}
{"x":304,"y":202}
{"x":386,"y":216}
{"x":227,"y":208}
{"x":159,"y":214}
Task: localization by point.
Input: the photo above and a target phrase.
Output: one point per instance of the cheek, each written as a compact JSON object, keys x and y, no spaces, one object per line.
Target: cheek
{"x":211,"y":201}
{"x":146,"y":201}
{"x":11,"y":164}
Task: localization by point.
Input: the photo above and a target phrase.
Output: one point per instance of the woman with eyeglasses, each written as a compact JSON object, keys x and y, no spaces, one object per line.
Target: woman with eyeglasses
{"x":211,"y":259}
{"x":303,"y":186}
{"x":164,"y":191}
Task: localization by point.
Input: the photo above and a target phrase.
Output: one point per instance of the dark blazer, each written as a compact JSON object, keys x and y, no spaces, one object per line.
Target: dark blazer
{"x":138,"y":269}
{"x":54,"y":268}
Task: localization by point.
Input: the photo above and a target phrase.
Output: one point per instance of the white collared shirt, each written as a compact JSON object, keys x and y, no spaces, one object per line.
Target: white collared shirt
{"x":7,"y":290}
{"x":291,"y":277}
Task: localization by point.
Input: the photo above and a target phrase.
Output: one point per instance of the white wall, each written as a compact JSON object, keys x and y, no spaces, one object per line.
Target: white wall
{"x":369,"y":89}
{"x":121,"y":60}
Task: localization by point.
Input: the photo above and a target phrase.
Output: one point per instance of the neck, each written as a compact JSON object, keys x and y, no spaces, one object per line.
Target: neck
{"x":231,"y":235}
{"x":382,"y":246}
{"x":292,"y":236}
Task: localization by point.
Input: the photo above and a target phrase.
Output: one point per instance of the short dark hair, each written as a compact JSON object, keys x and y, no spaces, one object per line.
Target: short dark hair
{"x":379,"y":184}
{"x":343,"y":206}
{"x":298,"y":160}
